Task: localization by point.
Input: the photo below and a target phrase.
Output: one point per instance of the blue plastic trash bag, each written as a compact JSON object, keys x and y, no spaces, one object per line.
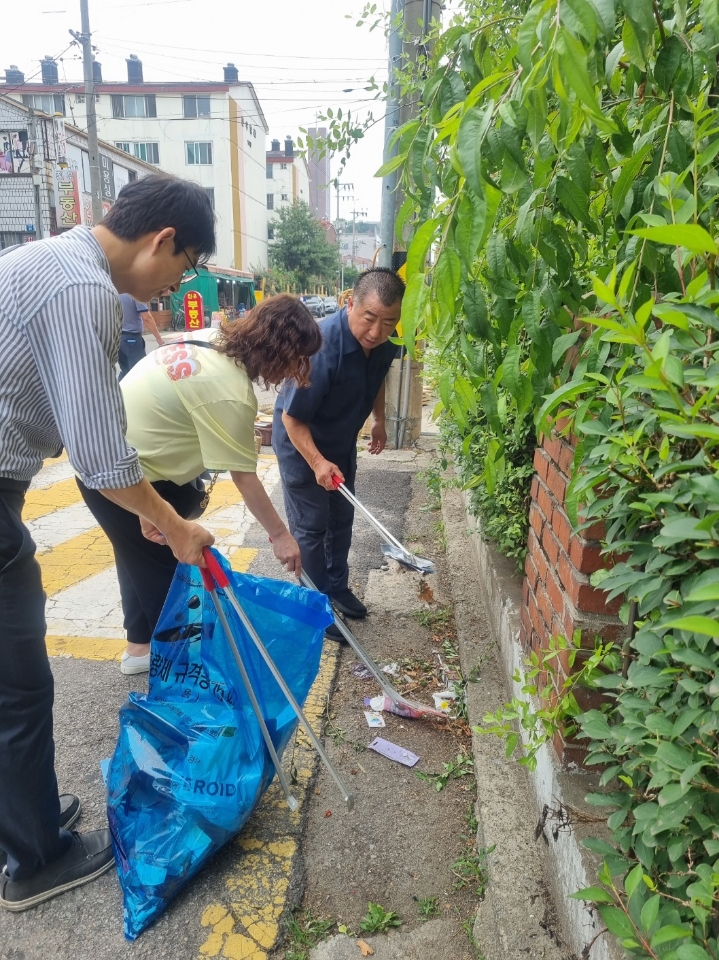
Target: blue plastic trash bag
{"x":190,"y":763}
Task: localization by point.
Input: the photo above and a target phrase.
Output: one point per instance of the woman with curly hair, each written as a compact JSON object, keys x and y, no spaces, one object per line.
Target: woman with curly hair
{"x":190,"y":408}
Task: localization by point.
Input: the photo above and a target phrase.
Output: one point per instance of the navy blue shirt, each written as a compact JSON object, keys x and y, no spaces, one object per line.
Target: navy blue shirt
{"x":344,"y":384}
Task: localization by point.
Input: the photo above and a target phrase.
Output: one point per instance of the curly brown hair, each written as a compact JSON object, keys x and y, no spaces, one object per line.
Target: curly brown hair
{"x":274,"y":342}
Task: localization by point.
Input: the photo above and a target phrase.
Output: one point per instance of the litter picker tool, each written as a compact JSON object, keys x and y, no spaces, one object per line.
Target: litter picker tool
{"x":393,"y":548}
{"x":211,"y":587}
{"x":405,"y":708}
{"x":217,"y":574}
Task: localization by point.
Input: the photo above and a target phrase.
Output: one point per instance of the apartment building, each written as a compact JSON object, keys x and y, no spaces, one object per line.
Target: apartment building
{"x":287,"y":176}
{"x":213,"y":133}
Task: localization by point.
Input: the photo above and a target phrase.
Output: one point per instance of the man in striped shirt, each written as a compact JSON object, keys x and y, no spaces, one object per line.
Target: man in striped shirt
{"x":61,"y":318}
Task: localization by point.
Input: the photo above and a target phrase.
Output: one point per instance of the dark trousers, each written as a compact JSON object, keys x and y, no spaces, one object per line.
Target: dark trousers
{"x":321,"y":522}
{"x":132,"y":350}
{"x":29,"y":806}
{"x":144,"y":569}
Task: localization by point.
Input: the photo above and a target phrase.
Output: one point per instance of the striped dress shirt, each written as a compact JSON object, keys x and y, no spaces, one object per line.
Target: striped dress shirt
{"x":60,"y":322}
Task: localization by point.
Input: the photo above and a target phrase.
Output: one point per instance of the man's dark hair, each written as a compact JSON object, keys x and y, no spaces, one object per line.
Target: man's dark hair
{"x":382,"y":281}
{"x":156,"y":202}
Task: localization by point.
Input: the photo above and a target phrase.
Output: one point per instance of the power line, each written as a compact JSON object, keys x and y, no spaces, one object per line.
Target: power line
{"x":240,"y":53}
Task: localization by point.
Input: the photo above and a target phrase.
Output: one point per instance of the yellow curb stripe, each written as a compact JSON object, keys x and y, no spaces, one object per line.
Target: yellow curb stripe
{"x":84,"y":648}
{"x":257,"y":887}
{"x":46,"y":500}
{"x":75,"y":560}
{"x":242,"y":557}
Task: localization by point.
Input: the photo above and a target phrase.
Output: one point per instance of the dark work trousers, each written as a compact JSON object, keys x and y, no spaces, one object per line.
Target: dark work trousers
{"x":321,"y":522}
{"x":144,"y":569}
{"x":132,"y":350}
{"x":30,"y":831}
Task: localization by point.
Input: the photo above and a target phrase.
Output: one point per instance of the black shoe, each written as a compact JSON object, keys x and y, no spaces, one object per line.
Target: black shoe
{"x":70,"y":809}
{"x":89,"y":855}
{"x":334,"y":633}
{"x":348,"y":604}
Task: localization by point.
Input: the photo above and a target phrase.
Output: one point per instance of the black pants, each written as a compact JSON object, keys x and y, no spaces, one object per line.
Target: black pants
{"x":321,"y":522}
{"x":132,"y":350}
{"x":144,"y":569}
{"x":29,"y":806}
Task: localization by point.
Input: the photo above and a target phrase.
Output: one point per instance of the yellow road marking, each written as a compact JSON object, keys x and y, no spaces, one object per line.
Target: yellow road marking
{"x":39,"y":503}
{"x":242,"y":557}
{"x":84,"y":648}
{"x":224,"y":495}
{"x":75,"y":560}
{"x":257,"y":887}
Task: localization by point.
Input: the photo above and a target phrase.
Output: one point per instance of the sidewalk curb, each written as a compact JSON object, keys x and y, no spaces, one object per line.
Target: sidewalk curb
{"x":523,"y":871}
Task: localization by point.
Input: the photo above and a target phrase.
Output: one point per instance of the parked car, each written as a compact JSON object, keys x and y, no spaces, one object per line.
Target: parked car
{"x":315,"y":305}
{"x":331,"y":305}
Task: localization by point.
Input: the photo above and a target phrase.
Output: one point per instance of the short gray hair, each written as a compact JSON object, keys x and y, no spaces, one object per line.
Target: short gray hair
{"x":382,"y":281}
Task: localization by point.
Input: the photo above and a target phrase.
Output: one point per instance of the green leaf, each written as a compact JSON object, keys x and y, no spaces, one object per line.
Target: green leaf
{"x":448,"y":270}
{"x":692,"y":951}
{"x":510,"y":368}
{"x":419,"y":247}
{"x":669,"y":933}
{"x":688,"y":235}
{"x":470,"y":135}
{"x":562,"y":344}
{"x":650,"y":912}
{"x":475,"y":311}
{"x":573,"y":61}
{"x":413,"y":306}
{"x":394,"y":163}
{"x":667,"y":62}
{"x":627,"y":177}
{"x":585,"y":19}
{"x":704,"y":625}
{"x":617,"y":922}
{"x":574,"y":200}
{"x":708,"y":592}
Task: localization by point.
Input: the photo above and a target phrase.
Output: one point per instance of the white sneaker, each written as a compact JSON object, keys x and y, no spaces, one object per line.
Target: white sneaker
{"x":131,"y":665}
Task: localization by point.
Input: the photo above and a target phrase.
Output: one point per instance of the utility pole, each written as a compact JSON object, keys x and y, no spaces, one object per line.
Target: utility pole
{"x":405,"y":379}
{"x":391,"y":122}
{"x":36,"y":176}
{"x":85,"y":40}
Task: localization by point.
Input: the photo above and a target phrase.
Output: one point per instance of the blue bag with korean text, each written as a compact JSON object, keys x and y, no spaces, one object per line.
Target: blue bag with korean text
{"x":190,"y":763}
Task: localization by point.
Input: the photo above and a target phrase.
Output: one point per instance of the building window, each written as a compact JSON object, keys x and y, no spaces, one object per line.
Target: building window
{"x":149,"y":152}
{"x":270,"y":233}
{"x":47,"y":102}
{"x":130,"y":106}
{"x":210,"y":191}
{"x":196,"y":106}
{"x":283,"y":166}
{"x":270,"y":171}
{"x":249,"y":143}
{"x":199,"y":153}
{"x":132,"y":175}
{"x":284,"y":196}
{"x":270,"y":201}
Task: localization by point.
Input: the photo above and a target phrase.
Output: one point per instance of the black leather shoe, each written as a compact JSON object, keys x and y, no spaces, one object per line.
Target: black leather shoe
{"x":348,"y":604}
{"x":70,"y":809}
{"x":89,"y":855}
{"x":334,"y":633}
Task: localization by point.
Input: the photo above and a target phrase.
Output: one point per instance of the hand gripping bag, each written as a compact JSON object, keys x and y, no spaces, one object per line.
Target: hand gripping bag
{"x":190,"y":763}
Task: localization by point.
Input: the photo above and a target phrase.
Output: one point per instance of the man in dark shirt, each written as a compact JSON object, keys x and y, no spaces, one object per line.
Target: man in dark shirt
{"x":135,"y":316}
{"x":315,"y":430}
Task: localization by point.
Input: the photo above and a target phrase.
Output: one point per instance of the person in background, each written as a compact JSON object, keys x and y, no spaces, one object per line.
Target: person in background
{"x":190,"y":408}
{"x":315,"y":430}
{"x":135,"y":317}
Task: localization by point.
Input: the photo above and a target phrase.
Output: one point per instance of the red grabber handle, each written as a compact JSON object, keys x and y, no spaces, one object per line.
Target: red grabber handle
{"x":212,"y":574}
{"x":336,"y":482}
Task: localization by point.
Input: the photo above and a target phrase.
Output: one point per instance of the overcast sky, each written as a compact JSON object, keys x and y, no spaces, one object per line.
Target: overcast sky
{"x":301,"y":57}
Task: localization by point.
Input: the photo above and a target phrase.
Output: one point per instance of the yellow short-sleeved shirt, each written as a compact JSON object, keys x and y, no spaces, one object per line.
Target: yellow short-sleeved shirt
{"x":190,"y":409}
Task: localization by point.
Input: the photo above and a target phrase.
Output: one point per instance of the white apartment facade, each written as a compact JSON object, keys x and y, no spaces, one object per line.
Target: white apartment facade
{"x":212,"y":133}
{"x":287,"y":178}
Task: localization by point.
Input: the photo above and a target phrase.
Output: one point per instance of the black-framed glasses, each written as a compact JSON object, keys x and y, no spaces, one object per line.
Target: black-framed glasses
{"x":190,"y":274}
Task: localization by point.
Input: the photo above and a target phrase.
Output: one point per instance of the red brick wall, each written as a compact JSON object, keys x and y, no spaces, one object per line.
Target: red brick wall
{"x":558,"y":597}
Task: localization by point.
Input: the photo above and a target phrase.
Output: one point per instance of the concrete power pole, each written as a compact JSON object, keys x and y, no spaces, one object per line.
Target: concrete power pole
{"x":391,"y":122}
{"x":36,"y":175}
{"x":404,"y":380}
{"x":85,"y":40}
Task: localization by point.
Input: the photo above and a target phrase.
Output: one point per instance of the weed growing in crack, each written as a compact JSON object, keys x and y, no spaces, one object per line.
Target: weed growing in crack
{"x":427,"y":907}
{"x":379,"y":920}
{"x":305,"y":931}
{"x":471,"y":871}
{"x":462,"y":766}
